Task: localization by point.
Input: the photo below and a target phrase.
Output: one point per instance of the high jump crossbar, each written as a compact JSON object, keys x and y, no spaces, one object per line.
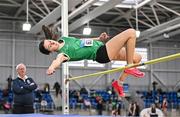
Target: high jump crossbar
{"x":154,"y":61}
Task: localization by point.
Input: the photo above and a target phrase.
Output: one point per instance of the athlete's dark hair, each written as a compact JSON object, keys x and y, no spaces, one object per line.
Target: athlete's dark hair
{"x":42,"y":49}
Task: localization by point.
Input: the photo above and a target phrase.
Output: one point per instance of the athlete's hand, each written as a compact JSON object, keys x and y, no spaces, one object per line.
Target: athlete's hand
{"x":104,"y":36}
{"x":50,"y":71}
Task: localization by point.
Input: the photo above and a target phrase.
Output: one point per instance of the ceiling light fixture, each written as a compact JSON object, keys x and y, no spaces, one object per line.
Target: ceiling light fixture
{"x":87,"y":29}
{"x":137,"y":27}
{"x":26,"y":25}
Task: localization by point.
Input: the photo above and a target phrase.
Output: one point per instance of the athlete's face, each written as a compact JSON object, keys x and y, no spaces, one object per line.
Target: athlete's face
{"x":51,"y":45}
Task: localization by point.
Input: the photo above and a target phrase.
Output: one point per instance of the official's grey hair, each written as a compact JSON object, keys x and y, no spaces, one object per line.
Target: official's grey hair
{"x":21,"y":64}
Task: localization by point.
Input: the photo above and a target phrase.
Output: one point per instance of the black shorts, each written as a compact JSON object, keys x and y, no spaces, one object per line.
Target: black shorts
{"x":101,"y":55}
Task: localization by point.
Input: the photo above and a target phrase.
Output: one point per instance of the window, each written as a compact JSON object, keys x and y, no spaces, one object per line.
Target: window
{"x":131,"y":2}
{"x":141,"y":51}
{"x":124,"y":4}
{"x":116,"y":64}
{"x":94,"y":64}
{"x":76,"y":63}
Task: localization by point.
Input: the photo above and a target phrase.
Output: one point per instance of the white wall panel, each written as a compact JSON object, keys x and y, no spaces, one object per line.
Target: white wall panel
{"x":5,"y":52}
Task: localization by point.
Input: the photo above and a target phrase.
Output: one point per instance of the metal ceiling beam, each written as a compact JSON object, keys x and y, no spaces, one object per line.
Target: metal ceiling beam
{"x":155,"y":30}
{"x":32,"y":18}
{"x":129,"y":6}
{"x":99,"y":21}
{"x":23,"y":6}
{"x":6,"y":16}
{"x":10,"y":5}
{"x":169,"y":2}
{"x":129,"y":22}
{"x":168,"y":9}
{"x":3,"y":14}
{"x":73,"y":3}
{"x":45,"y":6}
{"x":146,"y":8}
{"x":162,"y":11}
{"x":142,"y":3}
{"x":155,"y":14}
{"x":50,"y":18}
{"x":147,"y":17}
{"x":117,"y":19}
{"x":170,"y":34}
{"x":14,"y":2}
{"x":127,"y":16}
{"x":32,"y":11}
{"x":38,"y":7}
{"x":81,"y":8}
{"x":78,"y":11}
{"x":149,"y":14}
{"x":121,"y":15}
{"x":142,"y":22}
{"x":56,"y":1}
{"x":104,"y":24}
{"x":93,"y":14}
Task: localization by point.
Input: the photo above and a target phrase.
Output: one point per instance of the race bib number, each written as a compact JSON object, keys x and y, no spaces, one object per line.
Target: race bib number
{"x":86,"y":42}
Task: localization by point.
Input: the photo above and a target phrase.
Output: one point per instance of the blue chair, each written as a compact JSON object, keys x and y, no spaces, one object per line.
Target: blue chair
{"x":73,"y":103}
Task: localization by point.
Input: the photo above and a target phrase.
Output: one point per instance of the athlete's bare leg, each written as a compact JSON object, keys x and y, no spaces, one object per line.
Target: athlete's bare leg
{"x":125,"y":39}
{"x":122,"y":47}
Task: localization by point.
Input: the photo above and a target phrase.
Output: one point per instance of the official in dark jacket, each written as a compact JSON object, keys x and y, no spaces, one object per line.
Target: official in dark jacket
{"x":23,"y":87}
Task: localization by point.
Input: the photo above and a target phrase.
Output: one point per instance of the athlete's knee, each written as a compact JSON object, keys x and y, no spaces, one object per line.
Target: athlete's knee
{"x":131,"y":32}
{"x":137,"y":58}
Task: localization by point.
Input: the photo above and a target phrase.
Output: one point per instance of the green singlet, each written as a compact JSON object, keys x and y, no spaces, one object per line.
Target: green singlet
{"x":74,"y":51}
